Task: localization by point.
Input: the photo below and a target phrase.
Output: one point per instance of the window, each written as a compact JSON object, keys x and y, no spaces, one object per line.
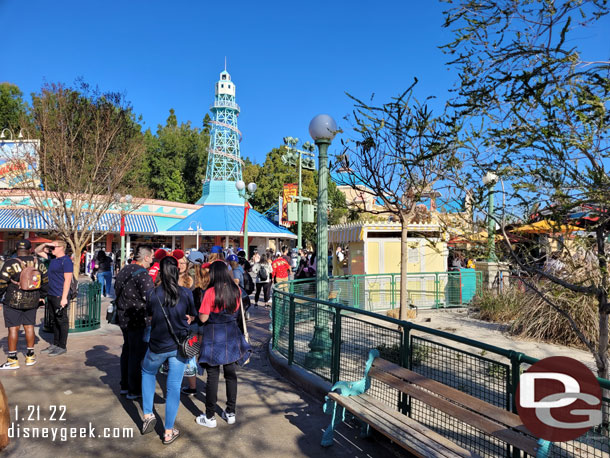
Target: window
{"x":224,"y":77}
{"x":222,"y":85}
{"x":413,"y":254}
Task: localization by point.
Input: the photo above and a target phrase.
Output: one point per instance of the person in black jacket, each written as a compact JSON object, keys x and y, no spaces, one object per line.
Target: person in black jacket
{"x":132,"y":286}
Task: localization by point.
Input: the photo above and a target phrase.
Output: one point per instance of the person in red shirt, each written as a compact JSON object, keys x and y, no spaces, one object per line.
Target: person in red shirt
{"x":281,"y":270}
{"x":154,"y":269}
{"x":223,"y":343}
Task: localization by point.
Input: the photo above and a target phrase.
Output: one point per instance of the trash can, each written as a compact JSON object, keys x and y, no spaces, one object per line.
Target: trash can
{"x":85,"y":310}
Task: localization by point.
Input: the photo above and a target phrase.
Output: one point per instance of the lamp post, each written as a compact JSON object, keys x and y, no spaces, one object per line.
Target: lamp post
{"x":490,"y":180}
{"x":247,"y":192}
{"x":124,"y":204}
{"x":198,"y":228}
{"x":290,"y":158}
{"x":322,"y":129}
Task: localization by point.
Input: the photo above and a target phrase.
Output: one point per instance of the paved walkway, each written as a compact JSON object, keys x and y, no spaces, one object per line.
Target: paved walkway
{"x":274,"y":418}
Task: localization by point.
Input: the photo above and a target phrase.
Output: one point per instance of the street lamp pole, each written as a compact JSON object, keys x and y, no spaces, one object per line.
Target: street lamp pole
{"x":322,"y":129}
{"x":246,"y":192}
{"x":490,"y":180}
{"x":198,"y":229}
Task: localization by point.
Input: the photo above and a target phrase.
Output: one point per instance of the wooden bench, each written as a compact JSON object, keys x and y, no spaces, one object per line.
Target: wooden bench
{"x":412,"y":435}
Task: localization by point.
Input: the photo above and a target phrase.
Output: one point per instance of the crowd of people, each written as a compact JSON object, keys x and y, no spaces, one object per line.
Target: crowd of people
{"x":160,"y":298}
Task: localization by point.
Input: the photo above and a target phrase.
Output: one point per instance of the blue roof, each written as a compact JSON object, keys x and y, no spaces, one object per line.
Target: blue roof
{"x":229,"y":218}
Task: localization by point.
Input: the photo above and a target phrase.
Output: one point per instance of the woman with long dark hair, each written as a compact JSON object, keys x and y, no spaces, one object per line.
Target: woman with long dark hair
{"x":171,"y":303}
{"x":223,"y":343}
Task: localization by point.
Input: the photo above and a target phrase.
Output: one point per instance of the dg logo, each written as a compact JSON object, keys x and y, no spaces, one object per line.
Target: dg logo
{"x":559,"y":399}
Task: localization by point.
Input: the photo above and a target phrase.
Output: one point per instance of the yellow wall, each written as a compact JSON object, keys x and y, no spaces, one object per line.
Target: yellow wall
{"x":383,"y":256}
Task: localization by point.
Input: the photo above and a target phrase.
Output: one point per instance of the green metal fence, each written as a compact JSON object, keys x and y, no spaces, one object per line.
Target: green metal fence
{"x":378,"y":292}
{"x":332,"y":340}
{"x":87,"y":309}
{"x":88,"y":306}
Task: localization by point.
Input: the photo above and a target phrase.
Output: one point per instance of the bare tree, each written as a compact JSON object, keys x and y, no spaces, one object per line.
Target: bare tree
{"x":398,"y":155}
{"x":537,"y":115}
{"x":75,"y":175}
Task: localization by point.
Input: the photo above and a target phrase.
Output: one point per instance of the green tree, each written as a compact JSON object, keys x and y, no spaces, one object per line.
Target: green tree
{"x":271,"y":177}
{"x":177,"y":159}
{"x":13,"y":109}
{"x":537,"y":115}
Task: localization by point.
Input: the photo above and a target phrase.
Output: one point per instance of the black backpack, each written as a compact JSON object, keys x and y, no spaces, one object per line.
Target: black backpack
{"x":262,"y":274}
{"x":248,"y":283}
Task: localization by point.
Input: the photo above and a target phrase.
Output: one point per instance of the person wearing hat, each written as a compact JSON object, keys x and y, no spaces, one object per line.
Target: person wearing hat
{"x":154,"y":269}
{"x":20,"y":305}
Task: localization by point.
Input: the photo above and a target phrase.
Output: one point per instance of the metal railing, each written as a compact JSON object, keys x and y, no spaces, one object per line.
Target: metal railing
{"x":376,"y":292}
{"x":332,"y":340}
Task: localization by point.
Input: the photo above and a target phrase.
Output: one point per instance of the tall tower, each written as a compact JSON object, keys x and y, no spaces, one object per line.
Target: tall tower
{"x":224,"y":161}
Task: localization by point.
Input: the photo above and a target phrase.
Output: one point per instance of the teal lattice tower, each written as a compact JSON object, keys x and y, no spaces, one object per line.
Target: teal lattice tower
{"x":224,"y":160}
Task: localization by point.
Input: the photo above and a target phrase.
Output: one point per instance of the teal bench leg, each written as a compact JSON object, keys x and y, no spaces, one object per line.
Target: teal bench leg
{"x":347,"y":389}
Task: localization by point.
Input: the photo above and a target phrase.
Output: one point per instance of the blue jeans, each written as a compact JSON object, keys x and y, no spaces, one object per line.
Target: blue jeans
{"x":150,"y":366}
{"x":105,"y":280}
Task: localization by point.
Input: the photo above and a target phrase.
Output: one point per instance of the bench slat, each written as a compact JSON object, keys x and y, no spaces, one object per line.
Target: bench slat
{"x":480,"y":422}
{"x":405,"y":421}
{"x":401,"y":432}
{"x":496,"y":413}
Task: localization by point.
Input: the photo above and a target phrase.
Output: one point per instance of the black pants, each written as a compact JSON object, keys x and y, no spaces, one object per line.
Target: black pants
{"x":266,"y":287}
{"x":211,"y":388}
{"x":59,"y":324}
{"x":134,"y":350}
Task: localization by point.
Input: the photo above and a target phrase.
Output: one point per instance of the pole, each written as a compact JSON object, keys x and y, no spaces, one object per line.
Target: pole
{"x":320,"y":344}
{"x":491,"y":229}
{"x":246,"y":229}
{"x":122,"y":240}
{"x":300,"y":207}
{"x":322,"y":222}
{"x":197,"y":242}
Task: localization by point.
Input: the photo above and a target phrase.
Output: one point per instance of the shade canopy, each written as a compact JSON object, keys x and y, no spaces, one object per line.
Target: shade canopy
{"x":545,"y":226}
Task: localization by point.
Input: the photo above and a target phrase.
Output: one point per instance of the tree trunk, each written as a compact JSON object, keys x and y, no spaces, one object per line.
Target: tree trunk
{"x":404,"y":253}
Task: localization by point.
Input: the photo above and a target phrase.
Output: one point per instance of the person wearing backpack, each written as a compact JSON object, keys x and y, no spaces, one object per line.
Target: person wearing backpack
{"x":262,"y":271}
{"x":132,"y":285}
{"x":24,"y":283}
{"x":60,"y":279}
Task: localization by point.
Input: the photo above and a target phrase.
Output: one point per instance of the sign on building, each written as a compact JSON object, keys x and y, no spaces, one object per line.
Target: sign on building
{"x":17,"y":162}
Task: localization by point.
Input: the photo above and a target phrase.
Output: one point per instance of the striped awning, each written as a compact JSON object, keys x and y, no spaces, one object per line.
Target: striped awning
{"x":24,"y":219}
{"x":346,"y":234}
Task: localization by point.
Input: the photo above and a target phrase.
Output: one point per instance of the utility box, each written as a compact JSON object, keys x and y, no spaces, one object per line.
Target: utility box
{"x":308,"y":214}
{"x":293,"y":211}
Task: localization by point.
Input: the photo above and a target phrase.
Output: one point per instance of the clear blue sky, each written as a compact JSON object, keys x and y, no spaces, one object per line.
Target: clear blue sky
{"x":289,"y":60}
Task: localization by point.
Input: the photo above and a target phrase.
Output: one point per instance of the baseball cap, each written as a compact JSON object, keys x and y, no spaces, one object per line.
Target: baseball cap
{"x":24,"y":244}
{"x":216,"y":249}
{"x":195,"y":257}
{"x":232,"y":257}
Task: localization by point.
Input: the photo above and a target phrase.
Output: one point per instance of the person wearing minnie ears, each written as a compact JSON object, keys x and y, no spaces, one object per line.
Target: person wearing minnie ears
{"x":20,"y":304}
{"x":61,"y":270}
{"x":223,"y":343}
{"x":172,"y":310}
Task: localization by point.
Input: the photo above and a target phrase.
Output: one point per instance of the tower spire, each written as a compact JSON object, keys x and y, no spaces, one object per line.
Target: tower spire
{"x":224,"y":159}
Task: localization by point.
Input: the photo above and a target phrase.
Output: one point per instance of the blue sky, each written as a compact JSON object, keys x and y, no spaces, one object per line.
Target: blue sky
{"x":289,"y":60}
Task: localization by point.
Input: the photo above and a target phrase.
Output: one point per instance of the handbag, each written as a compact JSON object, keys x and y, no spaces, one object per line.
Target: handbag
{"x":188,"y":346}
{"x":246,"y":335}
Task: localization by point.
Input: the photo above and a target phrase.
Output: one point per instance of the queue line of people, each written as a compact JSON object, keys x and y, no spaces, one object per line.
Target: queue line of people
{"x":158,"y":285}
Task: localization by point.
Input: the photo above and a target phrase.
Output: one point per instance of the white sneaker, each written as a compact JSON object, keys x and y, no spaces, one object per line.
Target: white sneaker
{"x":228,"y":417}
{"x":205,"y":421}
